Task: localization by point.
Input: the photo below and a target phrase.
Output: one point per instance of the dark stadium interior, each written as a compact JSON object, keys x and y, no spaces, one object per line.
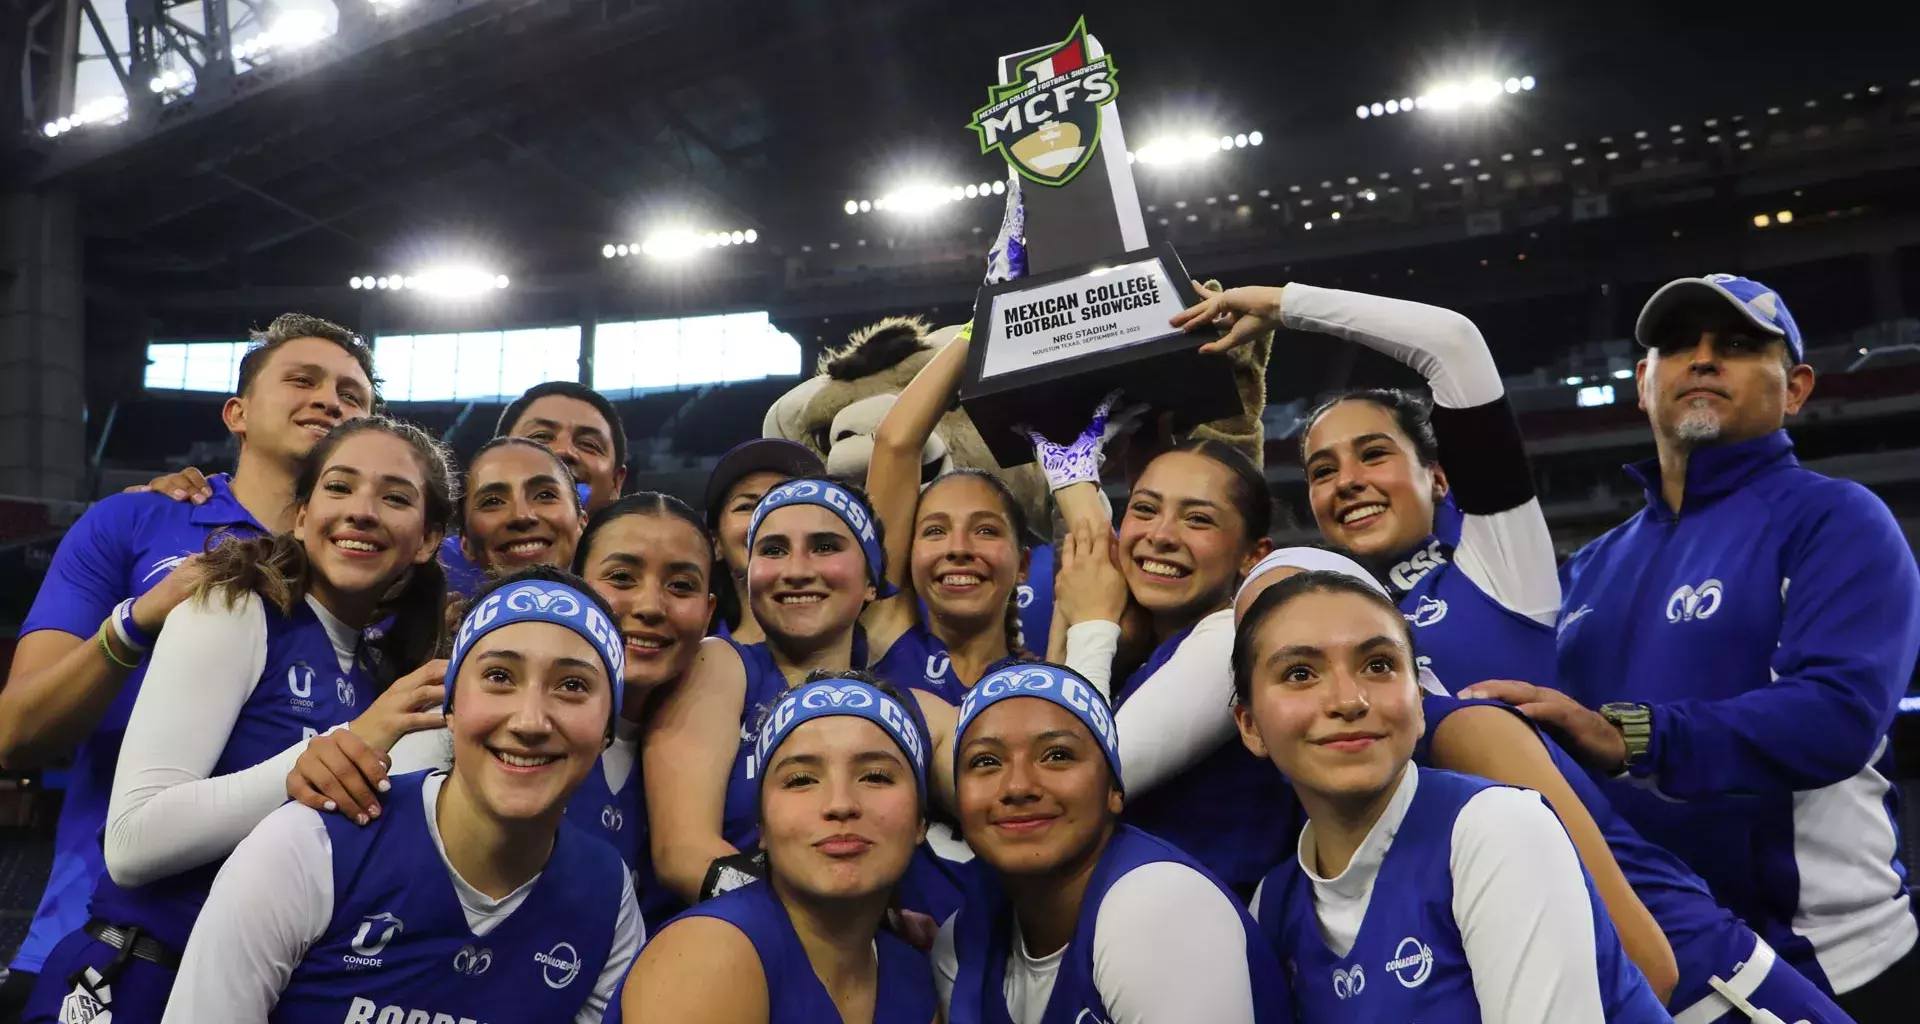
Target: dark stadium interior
{"x":526,"y":135}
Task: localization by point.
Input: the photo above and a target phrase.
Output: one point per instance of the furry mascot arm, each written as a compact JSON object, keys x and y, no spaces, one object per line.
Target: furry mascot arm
{"x":893,"y":485}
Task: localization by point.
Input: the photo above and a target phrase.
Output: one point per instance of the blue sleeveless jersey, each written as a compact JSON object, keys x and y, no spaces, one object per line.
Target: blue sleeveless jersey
{"x":794,"y":992}
{"x":1035,"y":598}
{"x":1706,"y":938}
{"x":918,"y":660}
{"x":618,"y":818}
{"x":398,"y":946}
{"x":1462,"y":634}
{"x":740,"y":819}
{"x":464,"y":579}
{"x":1408,"y":962}
{"x":302,"y":693}
{"x":983,"y":936}
{"x":1223,"y":810}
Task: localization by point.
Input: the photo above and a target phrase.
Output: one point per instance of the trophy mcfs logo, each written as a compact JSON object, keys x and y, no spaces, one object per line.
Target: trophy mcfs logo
{"x":1046,"y":122}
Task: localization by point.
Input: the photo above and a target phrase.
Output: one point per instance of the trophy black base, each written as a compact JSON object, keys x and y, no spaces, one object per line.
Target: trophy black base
{"x":1046,"y":349}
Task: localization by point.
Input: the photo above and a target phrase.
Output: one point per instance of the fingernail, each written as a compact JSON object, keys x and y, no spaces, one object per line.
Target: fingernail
{"x":331,"y":806}
{"x":374,"y":810}
{"x":383,"y":786}
{"x":362,"y":819}
{"x":179,"y":495}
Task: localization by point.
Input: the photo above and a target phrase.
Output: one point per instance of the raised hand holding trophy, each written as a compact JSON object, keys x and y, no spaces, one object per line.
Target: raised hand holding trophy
{"x":1078,"y":302}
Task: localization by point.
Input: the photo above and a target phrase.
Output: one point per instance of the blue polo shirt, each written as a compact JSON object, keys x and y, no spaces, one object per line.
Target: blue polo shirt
{"x":122,"y":547}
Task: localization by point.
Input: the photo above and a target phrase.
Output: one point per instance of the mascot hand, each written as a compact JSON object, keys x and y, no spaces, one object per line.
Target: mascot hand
{"x":1079,"y":462}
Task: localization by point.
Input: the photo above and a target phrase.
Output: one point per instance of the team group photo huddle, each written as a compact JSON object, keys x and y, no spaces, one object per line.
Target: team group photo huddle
{"x":1148,"y":584}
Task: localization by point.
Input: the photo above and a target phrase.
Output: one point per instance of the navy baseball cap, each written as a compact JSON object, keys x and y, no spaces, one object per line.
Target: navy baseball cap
{"x":760,"y":455}
{"x":1759,"y":305}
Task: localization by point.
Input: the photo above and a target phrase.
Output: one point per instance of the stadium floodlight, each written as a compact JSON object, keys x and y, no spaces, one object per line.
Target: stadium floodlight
{"x":1362,"y":112}
{"x":999,"y":188}
{"x":1783,"y":217}
{"x":354,"y":283}
{"x":455,"y":281}
{"x":920,"y":198}
{"x":852,"y":207}
{"x":752,"y":236}
{"x":1255,"y":138}
{"x":1172,"y":150}
{"x":674,"y":245}
{"x":609,"y":250}
{"x":865,"y":206}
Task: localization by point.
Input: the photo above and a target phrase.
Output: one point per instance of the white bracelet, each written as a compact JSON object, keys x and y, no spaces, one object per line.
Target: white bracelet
{"x":120,"y":632}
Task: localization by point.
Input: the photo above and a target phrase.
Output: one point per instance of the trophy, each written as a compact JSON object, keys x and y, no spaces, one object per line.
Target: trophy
{"x":1078,"y":300}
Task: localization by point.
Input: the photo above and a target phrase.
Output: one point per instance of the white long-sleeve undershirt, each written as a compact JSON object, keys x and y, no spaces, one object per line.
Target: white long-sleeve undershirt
{"x":274,"y":898}
{"x":1508,"y":555}
{"x":168,"y":812}
{"x":1167,"y":945}
{"x":1180,"y":714}
{"x":1520,"y":903}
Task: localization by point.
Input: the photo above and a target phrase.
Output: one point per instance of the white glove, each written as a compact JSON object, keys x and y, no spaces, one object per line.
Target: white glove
{"x":1079,"y":462}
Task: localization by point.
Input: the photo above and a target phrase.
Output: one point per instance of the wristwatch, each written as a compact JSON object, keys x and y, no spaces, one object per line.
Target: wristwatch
{"x":1635,"y":722}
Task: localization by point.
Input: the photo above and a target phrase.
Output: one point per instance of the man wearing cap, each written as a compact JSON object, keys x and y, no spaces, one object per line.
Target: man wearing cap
{"x":1733,"y":654}
{"x":742,"y":477}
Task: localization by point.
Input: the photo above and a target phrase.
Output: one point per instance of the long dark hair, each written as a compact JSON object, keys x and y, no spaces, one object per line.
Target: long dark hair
{"x":1017,"y":518}
{"x":276,"y":566}
{"x":1272,"y":599}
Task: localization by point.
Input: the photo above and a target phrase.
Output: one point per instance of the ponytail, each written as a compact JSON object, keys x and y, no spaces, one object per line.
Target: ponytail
{"x":419,"y":628}
{"x":1016,"y":640}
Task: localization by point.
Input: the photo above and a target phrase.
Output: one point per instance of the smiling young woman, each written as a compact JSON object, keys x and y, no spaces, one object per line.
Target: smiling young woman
{"x":958,"y":548}
{"x":1434,"y":494}
{"x":1665,"y":914}
{"x":1075,"y":915}
{"x":1196,"y":519}
{"x":842,"y":805}
{"x":519,"y":507}
{"x":1420,"y":870}
{"x":474,"y":884}
{"x":266,"y":652}
{"x":815,"y":561}
{"x":646,"y":555}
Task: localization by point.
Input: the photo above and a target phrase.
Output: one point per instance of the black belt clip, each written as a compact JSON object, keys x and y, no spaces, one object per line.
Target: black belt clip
{"x":132,"y":943}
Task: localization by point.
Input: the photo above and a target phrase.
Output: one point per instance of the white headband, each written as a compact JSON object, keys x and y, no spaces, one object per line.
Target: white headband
{"x":1322,"y":560}
{"x":1312,"y":559}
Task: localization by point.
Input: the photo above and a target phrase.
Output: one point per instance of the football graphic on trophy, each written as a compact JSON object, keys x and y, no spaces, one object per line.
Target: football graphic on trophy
{"x":1053,"y":148}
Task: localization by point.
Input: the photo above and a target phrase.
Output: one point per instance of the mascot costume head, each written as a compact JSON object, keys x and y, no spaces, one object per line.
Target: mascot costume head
{"x":836,"y":411}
